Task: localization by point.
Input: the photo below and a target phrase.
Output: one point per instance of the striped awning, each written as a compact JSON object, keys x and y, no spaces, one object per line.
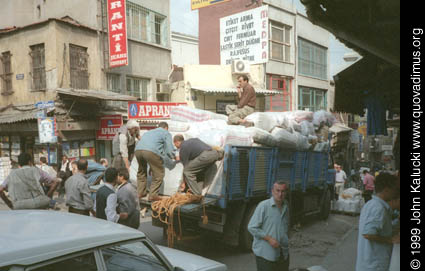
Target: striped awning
{"x":215,"y":90}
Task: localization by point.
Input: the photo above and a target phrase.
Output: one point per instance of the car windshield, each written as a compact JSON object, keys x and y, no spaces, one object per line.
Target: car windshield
{"x":132,"y":256}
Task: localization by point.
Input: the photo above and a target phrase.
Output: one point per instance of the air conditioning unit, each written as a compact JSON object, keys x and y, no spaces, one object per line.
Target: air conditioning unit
{"x":240,"y":67}
{"x":164,"y":88}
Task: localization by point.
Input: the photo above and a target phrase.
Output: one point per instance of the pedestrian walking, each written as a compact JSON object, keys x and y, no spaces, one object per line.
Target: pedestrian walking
{"x":269,"y":226}
{"x":25,"y":186}
{"x":246,"y":104}
{"x":128,"y":202}
{"x":369,"y":186}
{"x":124,"y":143}
{"x":340,"y":180}
{"x":155,"y":147}
{"x":106,"y":199}
{"x":78,"y":195}
{"x":196,"y":157}
{"x":374,"y":245}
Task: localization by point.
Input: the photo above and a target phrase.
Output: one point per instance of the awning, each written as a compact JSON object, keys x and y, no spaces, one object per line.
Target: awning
{"x":96,"y":94}
{"x":12,"y":114}
{"x":214,"y":90}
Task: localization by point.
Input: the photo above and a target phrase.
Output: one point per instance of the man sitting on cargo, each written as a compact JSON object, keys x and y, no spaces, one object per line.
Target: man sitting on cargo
{"x":196,"y":157}
{"x":246,"y":105}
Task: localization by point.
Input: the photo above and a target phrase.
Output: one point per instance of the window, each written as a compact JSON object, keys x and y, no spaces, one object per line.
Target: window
{"x":162,"y":91}
{"x":78,"y":59}
{"x":146,"y":25}
{"x":279,"y":102}
{"x":85,"y":262}
{"x":138,"y":87}
{"x":311,"y":99}
{"x":6,"y":74}
{"x":132,"y":256}
{"x":38,"y":67}
{"x":280,"y":42}
{"x":113,"y":82}
{"x":312,"y":59}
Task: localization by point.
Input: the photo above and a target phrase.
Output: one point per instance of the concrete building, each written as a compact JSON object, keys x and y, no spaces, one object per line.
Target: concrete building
{"x":298,"y":64}
{"x":184,"y":49}
{"x":200,"y":89}
{"x":58,"y":51}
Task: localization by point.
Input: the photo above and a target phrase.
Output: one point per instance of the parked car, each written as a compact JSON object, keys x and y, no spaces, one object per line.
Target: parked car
{"x":48,"y":240}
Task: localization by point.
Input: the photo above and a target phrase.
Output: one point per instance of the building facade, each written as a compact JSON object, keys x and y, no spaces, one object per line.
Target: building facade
{"x":184,"y":49}
{"x":298,"y":60}
{"x":57,"y":51}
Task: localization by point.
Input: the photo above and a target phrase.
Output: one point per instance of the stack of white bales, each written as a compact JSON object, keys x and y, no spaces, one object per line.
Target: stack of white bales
{"x":350,"y":201}
{"x":298,"y":130}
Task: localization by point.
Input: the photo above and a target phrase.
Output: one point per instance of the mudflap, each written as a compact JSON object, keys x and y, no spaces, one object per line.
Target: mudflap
{"x":235,"y":214}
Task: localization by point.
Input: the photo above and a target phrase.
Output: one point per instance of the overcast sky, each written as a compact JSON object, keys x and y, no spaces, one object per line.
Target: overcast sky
{"x":184,"y":20}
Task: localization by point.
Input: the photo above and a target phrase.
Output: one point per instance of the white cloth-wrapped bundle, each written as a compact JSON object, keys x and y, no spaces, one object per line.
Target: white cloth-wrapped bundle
{"x":285,"y":139}
{"x":187,"y":114}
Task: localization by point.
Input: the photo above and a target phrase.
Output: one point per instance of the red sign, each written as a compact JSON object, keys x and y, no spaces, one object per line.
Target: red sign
{"x":109,"y":126}
{"x":117,"y":33}
{"x":150,"y":110}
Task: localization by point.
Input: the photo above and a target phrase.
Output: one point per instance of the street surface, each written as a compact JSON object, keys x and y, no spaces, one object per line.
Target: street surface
{"x":331,"y":244}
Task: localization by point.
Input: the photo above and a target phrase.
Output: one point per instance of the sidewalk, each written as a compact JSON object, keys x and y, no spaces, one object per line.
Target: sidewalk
{"x":343,"y":255}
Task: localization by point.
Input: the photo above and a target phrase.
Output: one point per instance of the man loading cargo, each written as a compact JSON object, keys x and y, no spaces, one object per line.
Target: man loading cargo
{"x":124,"y":143}
{"x":196,"y":157}
{"x":154,"y":147}
{"x":246,"y":105}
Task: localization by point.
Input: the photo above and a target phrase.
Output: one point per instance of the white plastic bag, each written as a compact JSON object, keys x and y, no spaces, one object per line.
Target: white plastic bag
{"x":285,"y":139}
{"x":187,"y":114}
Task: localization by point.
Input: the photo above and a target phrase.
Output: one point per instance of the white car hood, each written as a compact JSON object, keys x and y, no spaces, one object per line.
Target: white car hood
{"x":190,"y":262}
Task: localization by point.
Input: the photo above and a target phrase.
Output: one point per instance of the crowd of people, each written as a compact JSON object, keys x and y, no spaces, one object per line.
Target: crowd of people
{"x":32,"y":187}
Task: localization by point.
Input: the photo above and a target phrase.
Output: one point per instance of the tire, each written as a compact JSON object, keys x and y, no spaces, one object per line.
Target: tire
{"x":245,"y":237}
{"x":325,"y":209}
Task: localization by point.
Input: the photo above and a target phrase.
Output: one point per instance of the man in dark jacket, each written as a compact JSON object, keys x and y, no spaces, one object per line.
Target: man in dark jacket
{"x":128,"y":202}
{"x":106,"y":198}
{"x":196,"y":157}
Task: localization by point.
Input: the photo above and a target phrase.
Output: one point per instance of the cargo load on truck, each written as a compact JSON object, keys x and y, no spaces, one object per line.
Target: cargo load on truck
{"x":290,"y":146}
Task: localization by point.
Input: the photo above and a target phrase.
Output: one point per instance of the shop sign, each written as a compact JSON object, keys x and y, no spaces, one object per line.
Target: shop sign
{"x":244,"y":36}
{"x":47,"y":130}
{"x":197,"y":4}
{"x":109,"y":126}
{"x":44,"y":105}
{"x":150,"y":110}
{"x":117,"y":32}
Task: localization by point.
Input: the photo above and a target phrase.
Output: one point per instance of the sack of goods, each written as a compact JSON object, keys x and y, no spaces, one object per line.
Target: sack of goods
{"x":350,"y":201}
{"x":187,"y":114}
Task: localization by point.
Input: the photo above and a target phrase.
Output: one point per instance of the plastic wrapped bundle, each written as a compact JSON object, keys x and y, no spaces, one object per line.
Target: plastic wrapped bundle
{"x":262,"y":137}
{"x":285,"y":139}
{"x":177,"y":126}
{"x":325,"y":117}
{"x":187,"y":114}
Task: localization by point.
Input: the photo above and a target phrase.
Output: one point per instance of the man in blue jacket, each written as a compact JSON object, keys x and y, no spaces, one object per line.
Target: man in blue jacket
{"x":154,"y":147}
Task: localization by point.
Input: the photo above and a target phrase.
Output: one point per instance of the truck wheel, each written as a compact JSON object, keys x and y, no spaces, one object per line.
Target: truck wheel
{"x":325,"y":209}
{"x":245,"y":237}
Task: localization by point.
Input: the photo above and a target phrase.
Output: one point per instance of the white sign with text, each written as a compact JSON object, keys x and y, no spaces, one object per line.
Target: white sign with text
{"x":244,"y":36}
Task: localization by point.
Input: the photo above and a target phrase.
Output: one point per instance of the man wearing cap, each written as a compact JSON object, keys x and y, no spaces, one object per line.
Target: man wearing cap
{"x":124,"y":143}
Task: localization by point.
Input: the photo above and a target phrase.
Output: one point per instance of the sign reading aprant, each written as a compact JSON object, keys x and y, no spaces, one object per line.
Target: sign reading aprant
{"x":244,"y":36}
{"x":150,"y":110}
{"x":197,"y":4}
{"x":109,"y":126}
{"x":117,"y":31}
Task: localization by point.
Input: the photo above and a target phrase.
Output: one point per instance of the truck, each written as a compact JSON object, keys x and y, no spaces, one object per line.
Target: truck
{"x":248,"y":176}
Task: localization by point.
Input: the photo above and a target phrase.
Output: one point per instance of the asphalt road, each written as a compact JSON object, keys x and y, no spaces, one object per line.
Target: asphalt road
{"x":315,"y":244}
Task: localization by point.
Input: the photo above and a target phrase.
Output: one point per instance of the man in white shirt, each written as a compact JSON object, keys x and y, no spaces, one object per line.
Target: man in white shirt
{"x":124,"y":143}
{"x":340,"y":179}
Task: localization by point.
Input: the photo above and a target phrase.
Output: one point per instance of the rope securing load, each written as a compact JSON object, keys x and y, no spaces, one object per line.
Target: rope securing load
{"x":164,"y":211}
